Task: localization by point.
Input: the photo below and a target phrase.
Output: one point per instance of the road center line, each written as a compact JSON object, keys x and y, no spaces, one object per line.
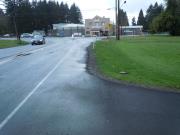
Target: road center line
{"x":10,"y":116}
{"x":6,"y":60}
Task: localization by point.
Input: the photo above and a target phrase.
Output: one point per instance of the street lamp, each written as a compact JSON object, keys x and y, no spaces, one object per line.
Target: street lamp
{"x":123,"y":3}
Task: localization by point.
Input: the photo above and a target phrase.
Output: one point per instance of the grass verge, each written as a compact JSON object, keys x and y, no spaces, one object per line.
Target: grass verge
{"x":151,"y":61}
{"x":11,"y":43}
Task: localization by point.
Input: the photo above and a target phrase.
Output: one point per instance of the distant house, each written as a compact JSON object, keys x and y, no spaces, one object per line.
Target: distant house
{"x":66,"y":30}
{"x":99,"y":26}
{"x":131,"y":30}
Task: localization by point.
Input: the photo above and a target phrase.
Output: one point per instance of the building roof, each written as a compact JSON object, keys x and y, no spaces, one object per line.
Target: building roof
{"x":67,"y":25}
{"x":133,"y":27}
{"x":98,"y":17}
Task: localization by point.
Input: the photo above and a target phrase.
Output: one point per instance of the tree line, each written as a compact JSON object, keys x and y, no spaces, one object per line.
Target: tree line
{"x":38,"y":15}
{"x":161,"y":19}
{"x":123,"y":19}
{"x":3,"y":22}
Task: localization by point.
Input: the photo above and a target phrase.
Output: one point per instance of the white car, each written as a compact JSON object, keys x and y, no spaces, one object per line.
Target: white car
{"x":26,"y":35}
{"x":6,"y":35}
{"x":77,"y":35}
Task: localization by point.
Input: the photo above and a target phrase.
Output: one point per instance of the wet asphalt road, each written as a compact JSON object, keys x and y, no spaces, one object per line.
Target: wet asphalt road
{"x":49,"y":92}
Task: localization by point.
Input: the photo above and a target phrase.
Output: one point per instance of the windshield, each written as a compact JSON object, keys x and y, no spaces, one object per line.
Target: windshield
{"x":38,"y":37}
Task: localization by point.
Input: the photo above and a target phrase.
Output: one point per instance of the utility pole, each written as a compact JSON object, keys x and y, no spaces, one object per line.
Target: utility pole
{"x":118,"y":8}
{"x":15,"y":26}
{"x":118,"y":18}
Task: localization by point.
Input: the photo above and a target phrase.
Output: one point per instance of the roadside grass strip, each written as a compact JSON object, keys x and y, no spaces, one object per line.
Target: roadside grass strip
{"x":11,"y":43}
{"x":147,"y":60}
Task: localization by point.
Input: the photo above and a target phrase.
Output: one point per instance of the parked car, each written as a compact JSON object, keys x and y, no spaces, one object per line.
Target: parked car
{"x":38,"y":40}
{"x":6,"y":35}
{"x":26,"y":35}
{"x":77,"y":35}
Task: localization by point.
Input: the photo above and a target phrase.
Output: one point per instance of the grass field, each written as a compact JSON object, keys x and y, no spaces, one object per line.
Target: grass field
{"x":151,"y":61}
{"x":11,"y":43}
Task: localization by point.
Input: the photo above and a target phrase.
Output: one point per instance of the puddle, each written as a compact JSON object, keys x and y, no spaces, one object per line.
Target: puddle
{"x":23,"y":54}
{"x":51,"y":52}
{"x":81,"y":61}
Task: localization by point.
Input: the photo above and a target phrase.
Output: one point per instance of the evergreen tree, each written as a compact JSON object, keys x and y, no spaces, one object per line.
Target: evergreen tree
{"x":3,"y":22}
{"x":75,"y":15}
{"x":1,"y":12}
{"x":66,"y":13}
{"x":133,"y":21}
{"x":62,"y":18}
{"x":10,"y":8}
{"x":168,"y":20}
{"x":173,"y":9}
{"x":53,"y":14}
{"x":141,"y":19}
{"x":152,"y":12}
{"x":123,"y":18}
{"x":39,"y":15}
{"x":24,"y":17}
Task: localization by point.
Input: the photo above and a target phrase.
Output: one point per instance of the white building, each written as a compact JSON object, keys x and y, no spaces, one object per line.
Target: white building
{"x":131,"y":30}
{"x":64,"y":29}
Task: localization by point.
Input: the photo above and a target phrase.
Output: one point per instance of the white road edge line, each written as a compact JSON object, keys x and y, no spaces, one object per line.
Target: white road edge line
{"x":9,"y":117}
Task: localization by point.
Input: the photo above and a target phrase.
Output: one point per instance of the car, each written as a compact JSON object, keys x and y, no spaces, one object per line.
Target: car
{"x":26,"y":35}
{"x":38,"y":40}
{"x":6,"y":35}
{"x":77,"y":35}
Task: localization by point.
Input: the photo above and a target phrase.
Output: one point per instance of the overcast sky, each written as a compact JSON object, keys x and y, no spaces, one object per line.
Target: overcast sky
{"x":90,"y":8}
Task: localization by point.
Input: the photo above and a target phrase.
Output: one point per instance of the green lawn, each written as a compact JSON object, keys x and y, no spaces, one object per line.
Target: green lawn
{"x":151,"y":61}
{"x":11,"y":43}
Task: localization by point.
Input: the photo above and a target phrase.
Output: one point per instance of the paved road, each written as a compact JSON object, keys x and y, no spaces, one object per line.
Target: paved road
{"x":49,"y":92}
{"x":4,"y":53}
